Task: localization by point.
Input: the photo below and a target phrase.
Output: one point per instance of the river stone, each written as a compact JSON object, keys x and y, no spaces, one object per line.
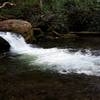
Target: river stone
{"x":4,"y":45}
{"x":18,"y":26}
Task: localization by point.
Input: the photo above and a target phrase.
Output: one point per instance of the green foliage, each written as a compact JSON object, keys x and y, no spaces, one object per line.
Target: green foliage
{"x":70,"y":15}
{"x":19,"y":10}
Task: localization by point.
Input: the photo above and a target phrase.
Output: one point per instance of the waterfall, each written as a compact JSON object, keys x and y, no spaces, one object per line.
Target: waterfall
{"x":17,"y":42}
{"x":61,"y":60}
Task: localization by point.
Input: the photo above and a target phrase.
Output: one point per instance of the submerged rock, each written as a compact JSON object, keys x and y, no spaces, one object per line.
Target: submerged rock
{"x":4,"y":45}
{"x":18,"y":26}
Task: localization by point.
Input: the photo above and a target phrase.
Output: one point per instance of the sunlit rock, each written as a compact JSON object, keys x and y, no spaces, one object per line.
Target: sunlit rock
{"x":18,"y":26}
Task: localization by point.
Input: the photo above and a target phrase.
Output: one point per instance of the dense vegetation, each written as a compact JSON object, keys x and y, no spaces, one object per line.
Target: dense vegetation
{"x":59,"y":15}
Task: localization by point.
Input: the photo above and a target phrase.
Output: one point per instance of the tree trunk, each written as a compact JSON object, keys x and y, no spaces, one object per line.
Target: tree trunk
{"x":41,"y":4}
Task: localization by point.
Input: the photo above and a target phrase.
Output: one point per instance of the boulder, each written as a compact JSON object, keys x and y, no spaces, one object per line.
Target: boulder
{"x":18,"y":26}
{"x":4,"y":45}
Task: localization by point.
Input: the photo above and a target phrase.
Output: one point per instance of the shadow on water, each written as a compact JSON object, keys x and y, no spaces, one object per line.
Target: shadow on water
{"x":77,"y":43}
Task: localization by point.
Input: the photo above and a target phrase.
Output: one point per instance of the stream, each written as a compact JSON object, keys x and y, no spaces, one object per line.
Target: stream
{"x":23,"y":57}
{"x":50,"y":70}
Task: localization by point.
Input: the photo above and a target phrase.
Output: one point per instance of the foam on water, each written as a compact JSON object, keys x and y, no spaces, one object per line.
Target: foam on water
{"x":61,"y":60}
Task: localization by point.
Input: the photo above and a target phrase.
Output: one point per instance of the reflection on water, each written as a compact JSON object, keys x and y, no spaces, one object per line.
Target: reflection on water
{"x":9,"y":64}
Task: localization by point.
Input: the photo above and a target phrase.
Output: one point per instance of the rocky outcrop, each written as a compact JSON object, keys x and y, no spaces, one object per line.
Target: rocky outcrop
{"x":18,"y":26}
{"x":4,"y":45}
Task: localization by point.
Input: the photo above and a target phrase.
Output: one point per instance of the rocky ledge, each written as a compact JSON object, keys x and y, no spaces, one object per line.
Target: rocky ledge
{"x":18,"y":26}
{"x":4,"y":45}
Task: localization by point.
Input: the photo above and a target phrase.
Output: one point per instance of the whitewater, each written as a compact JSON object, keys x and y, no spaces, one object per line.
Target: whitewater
{"x":61,"y":60}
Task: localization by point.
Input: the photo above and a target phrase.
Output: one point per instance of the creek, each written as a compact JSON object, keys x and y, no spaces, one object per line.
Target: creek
{"x":28,"y":57}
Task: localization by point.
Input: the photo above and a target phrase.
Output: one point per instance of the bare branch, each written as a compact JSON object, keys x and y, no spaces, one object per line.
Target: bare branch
{"x":7,"y":3}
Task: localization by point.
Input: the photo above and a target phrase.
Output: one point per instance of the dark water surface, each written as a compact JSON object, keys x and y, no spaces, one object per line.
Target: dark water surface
{"x":20,"y":81}
{"x":77,"y":43}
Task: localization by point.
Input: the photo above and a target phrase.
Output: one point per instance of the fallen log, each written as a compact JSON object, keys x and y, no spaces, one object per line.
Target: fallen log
{"x":7,"y":3}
